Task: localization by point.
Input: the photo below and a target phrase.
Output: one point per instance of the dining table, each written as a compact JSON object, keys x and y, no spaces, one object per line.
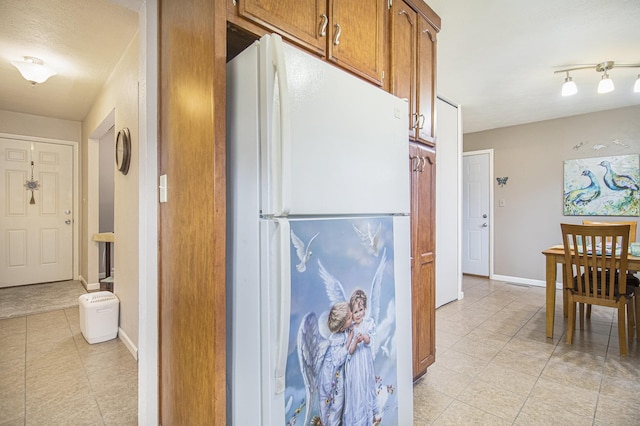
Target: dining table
{"x":554,"y":256}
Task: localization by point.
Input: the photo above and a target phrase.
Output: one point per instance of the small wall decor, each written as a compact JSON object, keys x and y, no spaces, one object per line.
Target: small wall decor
{"x":32,"y":184}
{"x":502,"y":181}
{"x":603,"y":186}
{"x":123,"y":150}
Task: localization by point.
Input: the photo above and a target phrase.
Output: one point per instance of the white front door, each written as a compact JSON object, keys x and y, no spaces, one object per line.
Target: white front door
{"x":475,"y":217}
{"x":36,"y":234}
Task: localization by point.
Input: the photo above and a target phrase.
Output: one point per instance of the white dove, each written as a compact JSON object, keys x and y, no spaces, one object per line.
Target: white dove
{"x":368,"y":239}
{"x":304,"y":253}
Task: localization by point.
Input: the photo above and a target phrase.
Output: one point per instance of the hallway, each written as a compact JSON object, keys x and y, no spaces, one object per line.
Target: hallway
{"x":49,"y":374}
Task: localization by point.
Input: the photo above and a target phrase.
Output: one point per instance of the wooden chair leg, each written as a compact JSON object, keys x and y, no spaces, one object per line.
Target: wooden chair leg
{"x":631,"y":319}
{"x":636,"y":299}
{"x":622,"y":339}
{"x":589,"y":311}
{"x":581,"y":313}
{"x":571,"y":325}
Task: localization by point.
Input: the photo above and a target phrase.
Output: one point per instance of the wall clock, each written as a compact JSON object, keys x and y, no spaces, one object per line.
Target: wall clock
{"x":123,"y":150}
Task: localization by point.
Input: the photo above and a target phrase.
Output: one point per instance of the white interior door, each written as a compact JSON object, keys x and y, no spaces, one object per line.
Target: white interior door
{"x":36,"y":234}
{"x":448,"y":200}
{"x":476,"y":221}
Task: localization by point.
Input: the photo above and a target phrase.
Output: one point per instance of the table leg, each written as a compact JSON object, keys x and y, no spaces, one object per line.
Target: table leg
{"x":551,"y":294}
{"x":107,"y":255}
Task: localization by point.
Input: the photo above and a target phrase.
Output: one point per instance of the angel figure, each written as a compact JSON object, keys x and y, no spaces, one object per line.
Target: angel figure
{"x":317,"y":359}
{"x":322,"y":361}
{"x":359,"y":374}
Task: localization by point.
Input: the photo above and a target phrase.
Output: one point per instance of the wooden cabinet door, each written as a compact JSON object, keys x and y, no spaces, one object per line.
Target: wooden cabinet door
{"x":426,"y":81}
{"x":301,"y":21}
{"x":356,"y":37}
{"x":423,"y":256}
{"x":404,"y":27}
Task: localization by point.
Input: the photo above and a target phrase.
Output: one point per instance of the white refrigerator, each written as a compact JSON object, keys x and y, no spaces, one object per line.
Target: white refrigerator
{"x":318,"y":244}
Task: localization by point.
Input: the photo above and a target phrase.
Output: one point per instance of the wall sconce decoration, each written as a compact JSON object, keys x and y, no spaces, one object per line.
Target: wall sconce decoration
{"x":33,"y":70}
{"x":604,"y":86}
{"x":502,"y":181}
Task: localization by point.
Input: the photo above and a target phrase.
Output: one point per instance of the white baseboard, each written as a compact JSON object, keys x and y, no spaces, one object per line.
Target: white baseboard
{"x":128,"y":343}
{"x":517,"y":280}
{"x":93,"y":286}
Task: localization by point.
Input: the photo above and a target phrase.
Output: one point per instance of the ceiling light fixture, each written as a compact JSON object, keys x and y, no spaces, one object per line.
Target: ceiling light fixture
{"x":33,"y":70}
{"x":569,"y":87}
{"x":604,"y":86}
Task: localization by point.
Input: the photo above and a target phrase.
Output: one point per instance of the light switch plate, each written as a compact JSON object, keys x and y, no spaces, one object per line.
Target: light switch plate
{"x":163,"y":188}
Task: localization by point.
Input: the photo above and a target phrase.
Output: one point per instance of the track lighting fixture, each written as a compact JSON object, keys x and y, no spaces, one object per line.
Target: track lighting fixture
{"x":604,"y":86}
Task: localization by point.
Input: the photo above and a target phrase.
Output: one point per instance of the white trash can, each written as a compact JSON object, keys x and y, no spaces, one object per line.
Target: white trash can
{"x":99,"y":316}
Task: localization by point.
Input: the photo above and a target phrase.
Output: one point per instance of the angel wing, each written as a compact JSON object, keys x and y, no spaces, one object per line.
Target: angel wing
{"x":304,"y":253}
{"x":334,"y":288}
{"x":376,"y":289}
{"x":312,"y":348}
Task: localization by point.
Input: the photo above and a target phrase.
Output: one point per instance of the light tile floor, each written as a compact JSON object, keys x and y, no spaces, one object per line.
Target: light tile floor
{"x":49,"y":375}
{"x":495,"y":366}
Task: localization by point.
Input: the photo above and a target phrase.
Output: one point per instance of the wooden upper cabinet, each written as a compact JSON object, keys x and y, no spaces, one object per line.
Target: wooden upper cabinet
{"x":349,"y":33}
{"x":356,"y":37}
{"x":404,"y":24}
{"x":413,"y":66}
{"x":300,"y":21}
{"x":426,"y":80}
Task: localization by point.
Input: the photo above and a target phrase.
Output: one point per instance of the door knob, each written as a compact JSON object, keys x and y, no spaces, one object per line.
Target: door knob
{"x":484,"y":225}
{"x":68,"y":221}
{"x":484,"y":216}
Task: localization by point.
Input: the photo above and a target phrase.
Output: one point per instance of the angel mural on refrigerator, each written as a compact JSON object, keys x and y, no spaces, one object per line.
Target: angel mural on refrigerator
{"x":341,"y":368}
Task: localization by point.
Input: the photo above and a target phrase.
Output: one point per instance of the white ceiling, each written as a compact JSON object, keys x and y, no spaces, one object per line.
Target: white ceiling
{"x":496,"y":57}
{"x":81,"y":39}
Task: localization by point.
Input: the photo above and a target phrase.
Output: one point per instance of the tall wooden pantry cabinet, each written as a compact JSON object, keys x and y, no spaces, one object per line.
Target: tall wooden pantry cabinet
{"x":391,"y":44}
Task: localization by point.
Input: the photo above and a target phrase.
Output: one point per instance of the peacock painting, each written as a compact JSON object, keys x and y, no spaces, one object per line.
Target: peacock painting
{"x":605,"y":186}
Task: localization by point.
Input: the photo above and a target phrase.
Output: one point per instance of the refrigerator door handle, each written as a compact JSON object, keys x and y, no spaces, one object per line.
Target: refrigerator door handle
{"x":284,"y":310}
{"x":285,"y":129}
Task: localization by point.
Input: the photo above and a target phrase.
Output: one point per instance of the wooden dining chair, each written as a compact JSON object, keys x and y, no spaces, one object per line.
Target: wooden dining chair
{"x":632,"y":280}
{"x":633,"y":226}
{"x":596,"y":270}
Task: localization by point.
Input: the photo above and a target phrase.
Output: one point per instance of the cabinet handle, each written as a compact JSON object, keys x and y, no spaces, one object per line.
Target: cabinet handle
{"x":414,"y":168}
{"x":427,"y":32}
{"x":421,"y":121}
{"x":415,"y":120}
{"x":423,"y":163}
{"x":323,"y":26}
{"x":336,"y":40}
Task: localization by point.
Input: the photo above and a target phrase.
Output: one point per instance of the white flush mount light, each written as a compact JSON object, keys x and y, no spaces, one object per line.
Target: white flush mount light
{"x":33,"y":70}
{"x":604,"y":86}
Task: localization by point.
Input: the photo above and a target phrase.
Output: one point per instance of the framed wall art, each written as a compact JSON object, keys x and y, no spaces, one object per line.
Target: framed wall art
{"x":603,"y":186}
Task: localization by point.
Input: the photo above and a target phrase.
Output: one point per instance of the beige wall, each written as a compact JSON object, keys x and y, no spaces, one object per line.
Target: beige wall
{"x":43,"y":127}
{"x":532,"y":156}
{"x":119,"y":95}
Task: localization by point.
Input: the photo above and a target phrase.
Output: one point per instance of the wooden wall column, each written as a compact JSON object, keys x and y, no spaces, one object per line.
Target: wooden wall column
{"x":192,"y":50}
